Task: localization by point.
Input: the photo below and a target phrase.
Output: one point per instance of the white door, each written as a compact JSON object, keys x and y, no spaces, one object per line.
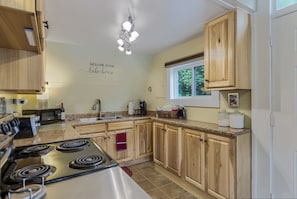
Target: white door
{"x":284,"y":89}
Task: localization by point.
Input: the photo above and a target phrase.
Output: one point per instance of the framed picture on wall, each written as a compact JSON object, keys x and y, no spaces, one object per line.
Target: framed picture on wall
{"x":233,"y":100}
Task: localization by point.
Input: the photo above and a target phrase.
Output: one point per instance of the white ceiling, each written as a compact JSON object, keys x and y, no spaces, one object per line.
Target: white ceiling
{"x":160,"y":23}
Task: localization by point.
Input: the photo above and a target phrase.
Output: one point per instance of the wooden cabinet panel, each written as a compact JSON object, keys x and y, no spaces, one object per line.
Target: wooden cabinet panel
{"x":167,"y":147}
{"x":159,"y":143}
{"x":121,"y":155}
{"x":220,"y":170}
{"x":194,"y":156}
{"x":143,"y":138}
{"x":173,"y":150}
{"x":119,"y":125}
{"x":90,"y":128}
{"x":22,"y":71}
{"x":227,"y":52}
{"x":107,"y":139}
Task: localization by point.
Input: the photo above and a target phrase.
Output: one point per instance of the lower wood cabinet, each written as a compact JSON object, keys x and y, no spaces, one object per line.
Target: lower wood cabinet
{"x":143,"y":138}
{"x":121,"y":155}
{"x":159,"y":132}
{"x":167,"y":147}
{"x":105,"y":136}
{"x":219,"y":165}
{"x":194,"y":158}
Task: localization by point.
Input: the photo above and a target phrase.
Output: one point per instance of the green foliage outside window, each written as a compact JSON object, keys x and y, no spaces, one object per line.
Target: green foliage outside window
{"x":185,"y":82}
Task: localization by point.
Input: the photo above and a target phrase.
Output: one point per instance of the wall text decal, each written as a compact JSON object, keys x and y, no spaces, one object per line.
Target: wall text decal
{"x":101,"y":68}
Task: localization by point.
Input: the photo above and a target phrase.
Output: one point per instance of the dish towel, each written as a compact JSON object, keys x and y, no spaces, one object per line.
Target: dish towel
{"x":121,"y":141}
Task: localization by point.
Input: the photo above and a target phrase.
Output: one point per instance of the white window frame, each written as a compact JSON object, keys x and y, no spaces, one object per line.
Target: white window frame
{"x":212,"y":100}
{"x":284,"y":11}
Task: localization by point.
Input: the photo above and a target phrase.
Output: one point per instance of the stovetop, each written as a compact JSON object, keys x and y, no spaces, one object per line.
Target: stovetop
{"x":62,"y":160}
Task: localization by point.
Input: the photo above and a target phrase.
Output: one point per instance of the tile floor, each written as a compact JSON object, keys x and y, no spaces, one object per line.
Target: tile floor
{"x":157,"y":185}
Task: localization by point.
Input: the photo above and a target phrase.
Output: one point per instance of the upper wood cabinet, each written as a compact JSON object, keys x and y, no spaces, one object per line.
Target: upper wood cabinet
{"x":227,"y":52}
{"x":22,"y":71}
{"x":15,"y":17}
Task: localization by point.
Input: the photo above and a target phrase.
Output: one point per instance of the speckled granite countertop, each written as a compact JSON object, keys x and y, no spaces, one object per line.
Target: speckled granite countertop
{"x":65,"y":130}
{"x":204,"y":126}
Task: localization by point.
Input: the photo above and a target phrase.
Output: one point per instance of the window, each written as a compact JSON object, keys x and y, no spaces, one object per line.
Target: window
{"x":281,"y":4}
{"x":186,"y":85}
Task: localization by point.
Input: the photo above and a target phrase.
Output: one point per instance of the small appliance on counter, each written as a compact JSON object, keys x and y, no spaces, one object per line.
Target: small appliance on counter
{"x":28,"y":126}
{"x":47,"y":116}
{"x":181,"y":113}
{"x":142,"y":105}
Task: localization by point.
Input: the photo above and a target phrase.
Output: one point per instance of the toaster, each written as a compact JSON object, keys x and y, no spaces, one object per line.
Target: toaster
{"x":28,"y":126}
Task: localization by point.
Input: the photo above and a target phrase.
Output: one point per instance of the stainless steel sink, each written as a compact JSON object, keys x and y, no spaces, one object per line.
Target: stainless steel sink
{"x":110,"y":118}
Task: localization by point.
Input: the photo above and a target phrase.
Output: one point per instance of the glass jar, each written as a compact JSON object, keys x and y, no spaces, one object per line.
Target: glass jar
{"x":223,"y":118}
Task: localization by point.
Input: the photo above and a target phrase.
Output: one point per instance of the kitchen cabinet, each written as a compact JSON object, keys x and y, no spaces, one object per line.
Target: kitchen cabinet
{"x":95,"y":131}
{"x":167,"y":147}
{"x":104,"y":135}
{"x":114,"y":128}
{"x":227,"y":51}
{"x":218,"y":165}
{"x":143,"y":139}
{"x":22,"y":67}
{"x":15,"y":17}
{"x":194,"y":157}
{"x":22,"y":71}
{"x":159,"y":132}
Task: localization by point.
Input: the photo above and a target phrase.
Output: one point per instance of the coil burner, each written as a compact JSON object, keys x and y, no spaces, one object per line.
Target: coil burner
{"x":32,"y":172}
{"x":36,"y":150}
{"x":87,"y":162}
{"x":73,"y":145}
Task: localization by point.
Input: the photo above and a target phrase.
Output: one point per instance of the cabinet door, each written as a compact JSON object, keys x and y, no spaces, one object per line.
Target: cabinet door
{"x":101,"y":140}
{"x":173,"y":150}
{"x":219,"y":52}
{"x":159,"y":143}
{"x":143,"y":138}
{"x":194,"y":156}
{"x":120,"y":155}
{"x":220,"y":162}
{"x":22,"y":70}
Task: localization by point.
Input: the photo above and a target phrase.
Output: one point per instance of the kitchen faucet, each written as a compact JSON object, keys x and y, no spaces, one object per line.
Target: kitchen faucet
{"x":98,"y":101}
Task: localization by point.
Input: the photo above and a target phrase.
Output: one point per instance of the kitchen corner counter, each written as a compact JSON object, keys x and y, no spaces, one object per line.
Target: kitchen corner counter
{"x":50,"y":133}
{"x":204,"y":126}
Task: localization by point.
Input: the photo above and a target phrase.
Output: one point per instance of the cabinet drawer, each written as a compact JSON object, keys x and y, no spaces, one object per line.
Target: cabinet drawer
{"x":119,"y":125}
{"x":92,"y":128}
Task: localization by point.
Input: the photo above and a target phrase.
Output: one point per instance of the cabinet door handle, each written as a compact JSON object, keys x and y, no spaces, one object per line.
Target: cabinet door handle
{"x":206,"y":80}
{"x":201,"y":140}
{"x":205,"y":140}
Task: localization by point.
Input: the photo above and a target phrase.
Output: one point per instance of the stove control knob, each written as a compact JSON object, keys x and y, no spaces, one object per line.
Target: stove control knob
{"x":15,"y":123}
{"x":6,"y":128}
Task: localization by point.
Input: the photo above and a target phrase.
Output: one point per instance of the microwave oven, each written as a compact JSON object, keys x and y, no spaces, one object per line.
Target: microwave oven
{"x":46,"y":116}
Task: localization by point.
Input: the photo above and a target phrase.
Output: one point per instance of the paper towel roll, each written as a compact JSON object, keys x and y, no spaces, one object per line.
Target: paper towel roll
{"x":131,"y":108}
{"x":236,"y":120}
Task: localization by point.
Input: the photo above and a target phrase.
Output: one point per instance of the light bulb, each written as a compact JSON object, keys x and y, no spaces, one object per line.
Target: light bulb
{"x":121,"y":48}
{"x":133,"y":36}
{"x":127,"y":25}
{"x":120,"y":42}
{"x":128,"y":52}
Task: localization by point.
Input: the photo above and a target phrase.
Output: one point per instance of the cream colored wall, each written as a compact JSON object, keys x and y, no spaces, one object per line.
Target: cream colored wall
{"x":157,"y":80}
{"x":71,"y":82}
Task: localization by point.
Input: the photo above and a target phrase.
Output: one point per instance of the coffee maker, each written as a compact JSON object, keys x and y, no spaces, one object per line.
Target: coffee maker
{"x":142,"y":106}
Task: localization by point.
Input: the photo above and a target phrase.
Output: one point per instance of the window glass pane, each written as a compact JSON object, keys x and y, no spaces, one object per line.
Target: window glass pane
{"x":285,"y":3}
{"x":185,"y":82}
{"x":199,"y":80}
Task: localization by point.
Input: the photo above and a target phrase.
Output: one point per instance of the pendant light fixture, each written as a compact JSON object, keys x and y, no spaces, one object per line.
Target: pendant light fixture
{"x":127,"y":35}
